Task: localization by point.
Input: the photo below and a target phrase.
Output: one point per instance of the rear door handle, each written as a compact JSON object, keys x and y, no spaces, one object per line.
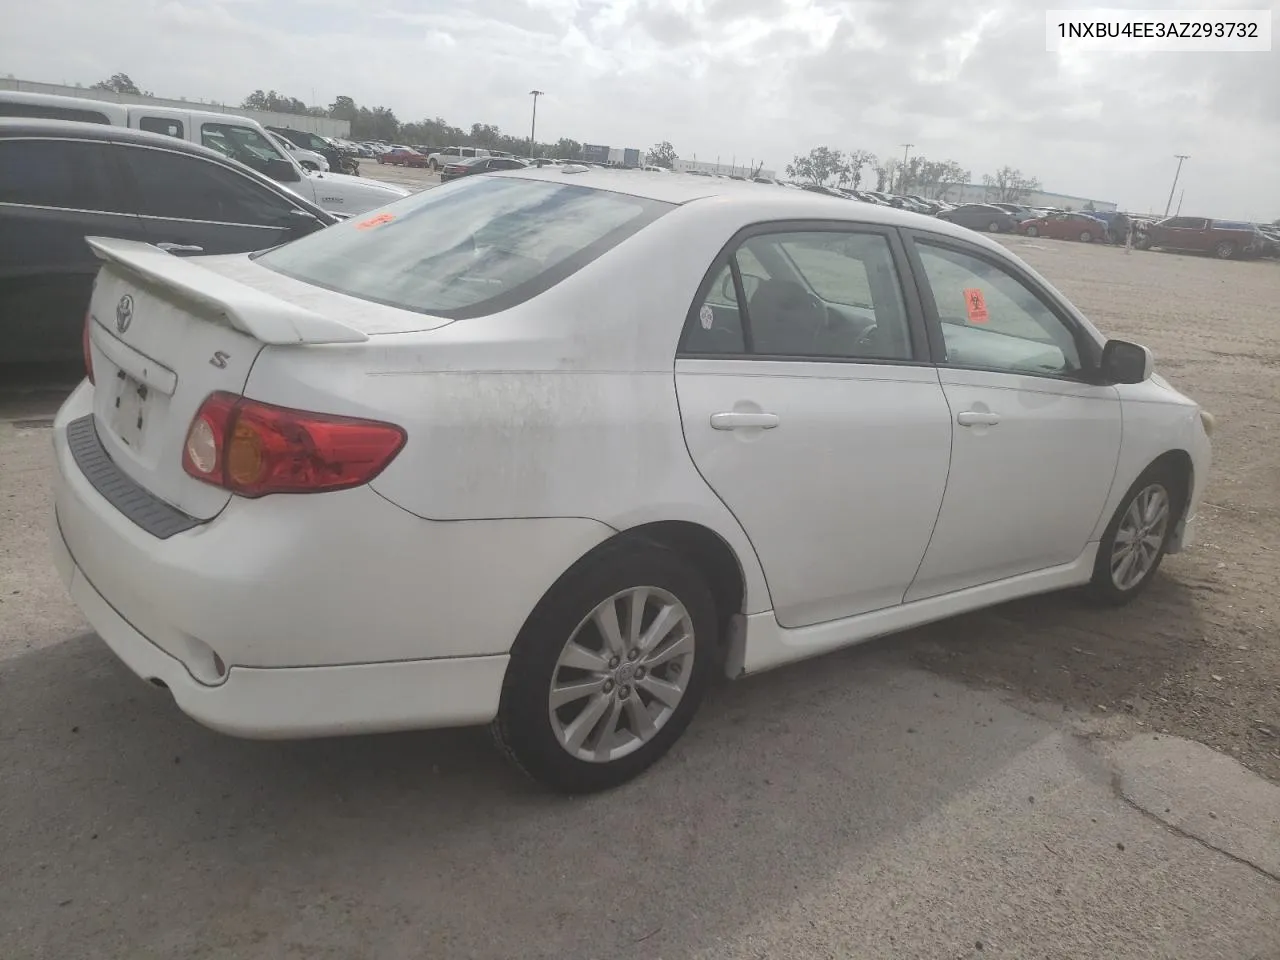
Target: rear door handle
{"x":737,"y":420}
{"x":976,"y":418}
{"x":180,"y":248}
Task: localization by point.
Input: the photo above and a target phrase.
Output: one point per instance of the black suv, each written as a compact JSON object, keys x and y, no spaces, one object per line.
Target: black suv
{"x":63,"y":181}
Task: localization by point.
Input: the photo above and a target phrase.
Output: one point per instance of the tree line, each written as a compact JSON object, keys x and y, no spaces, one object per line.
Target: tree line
{"x":932,"y":179}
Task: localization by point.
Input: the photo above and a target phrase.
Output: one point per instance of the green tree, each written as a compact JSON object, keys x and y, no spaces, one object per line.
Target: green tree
{"x":566,"y":149}
{"x":818,"y":166}
{"x":935,"y":178}
{"x":851,"y":172}
{"x":343,"y":108}
{"x":119,"y":83}
{"x":662,"y":155}
{"x":1008,"y":185}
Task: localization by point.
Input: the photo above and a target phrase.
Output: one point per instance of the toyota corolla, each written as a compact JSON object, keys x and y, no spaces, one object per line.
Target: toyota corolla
{"x":547,"y":449}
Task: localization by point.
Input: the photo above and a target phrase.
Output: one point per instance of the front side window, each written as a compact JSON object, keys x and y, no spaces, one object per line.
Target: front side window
{"x":820,"y":294}
{"x":69,"y":174}
{"x":992,"y":321}
{"x":170,"y":128}
{"x":474,"y":246}
{"x":179,"y":186}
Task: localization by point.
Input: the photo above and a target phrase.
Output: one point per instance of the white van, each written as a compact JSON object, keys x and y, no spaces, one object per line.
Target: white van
{"x":240,"y":138}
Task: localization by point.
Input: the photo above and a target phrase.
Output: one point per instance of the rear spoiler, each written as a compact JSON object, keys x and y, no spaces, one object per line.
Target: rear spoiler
{"x":262,"y":316}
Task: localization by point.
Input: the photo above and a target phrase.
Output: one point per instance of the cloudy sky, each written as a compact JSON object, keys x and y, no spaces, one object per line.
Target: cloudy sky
{"x":968,"y":80}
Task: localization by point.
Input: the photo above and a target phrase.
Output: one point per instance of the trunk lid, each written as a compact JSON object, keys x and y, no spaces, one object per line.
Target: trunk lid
{"x":165,"y":332}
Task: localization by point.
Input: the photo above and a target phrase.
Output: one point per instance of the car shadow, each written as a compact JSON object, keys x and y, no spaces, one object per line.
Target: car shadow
{"x":124,"y":822}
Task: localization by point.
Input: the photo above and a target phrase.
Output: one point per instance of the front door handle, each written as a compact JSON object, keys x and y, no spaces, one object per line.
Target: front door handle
{"x":977,"y":418}
{"x":180,"y":248}
{"x":737,"y":420}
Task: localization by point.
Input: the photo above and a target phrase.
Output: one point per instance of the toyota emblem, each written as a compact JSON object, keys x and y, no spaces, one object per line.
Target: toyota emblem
{"x":124,"y":313}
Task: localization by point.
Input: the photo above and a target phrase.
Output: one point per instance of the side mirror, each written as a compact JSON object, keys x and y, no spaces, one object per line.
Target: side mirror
{"x":282,"y":171}
{"x":1124,"y":362}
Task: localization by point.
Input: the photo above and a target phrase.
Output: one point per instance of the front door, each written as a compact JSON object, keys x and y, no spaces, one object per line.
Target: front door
{"x":810,"y":407}
{"x":193,"y":206}
{"x":1035,"y":446}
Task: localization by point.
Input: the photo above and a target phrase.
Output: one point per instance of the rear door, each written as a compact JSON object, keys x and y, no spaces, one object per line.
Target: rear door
{"x":809,"y":406}
{"x":192,"y":206}
{"x":53,"y":192}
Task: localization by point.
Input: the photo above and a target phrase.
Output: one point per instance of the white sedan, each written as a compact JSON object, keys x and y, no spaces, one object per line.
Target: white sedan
{"x":549,"y":448}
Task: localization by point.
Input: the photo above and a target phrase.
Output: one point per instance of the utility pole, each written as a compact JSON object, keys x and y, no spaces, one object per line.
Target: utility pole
{"x":533,"y":126}
{"x":1181,"y":157}
{"x":1181,"y":194}
{"x":902,"y":174}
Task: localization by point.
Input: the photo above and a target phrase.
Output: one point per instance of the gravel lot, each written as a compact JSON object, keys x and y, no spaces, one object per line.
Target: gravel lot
{"x":999,"y":785}
{"x":1199,"y":654}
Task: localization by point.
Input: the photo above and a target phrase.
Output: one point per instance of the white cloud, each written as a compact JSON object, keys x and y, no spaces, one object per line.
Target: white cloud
{"x":963,"y":79}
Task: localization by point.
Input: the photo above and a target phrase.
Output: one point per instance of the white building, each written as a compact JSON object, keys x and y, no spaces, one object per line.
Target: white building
{"x":979,"y":193}
{"x":727,"y":169}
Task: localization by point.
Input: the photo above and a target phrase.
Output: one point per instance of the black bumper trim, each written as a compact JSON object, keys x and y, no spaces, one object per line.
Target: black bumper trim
{"x":138,"y":504}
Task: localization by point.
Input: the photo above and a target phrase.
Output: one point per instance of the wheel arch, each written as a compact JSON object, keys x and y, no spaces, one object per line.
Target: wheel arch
{"x":1180,"y":462}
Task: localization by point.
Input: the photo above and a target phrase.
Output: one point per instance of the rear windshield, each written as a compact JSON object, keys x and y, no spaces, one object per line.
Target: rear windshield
{"x":469,"y":248}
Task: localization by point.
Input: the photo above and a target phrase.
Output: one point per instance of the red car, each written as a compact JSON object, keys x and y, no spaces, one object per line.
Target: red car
{"x":1065,"y":226}
{"x":403,"y":157}
{"x":474,"y":165}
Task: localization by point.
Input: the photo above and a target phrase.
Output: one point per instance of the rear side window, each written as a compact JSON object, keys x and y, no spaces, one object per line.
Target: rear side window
{"x":69,"y":174}
{"x":469,"y":248}
{"x":182,"y":187}
{"x":170,"y":128}
{"x":240,"y":143}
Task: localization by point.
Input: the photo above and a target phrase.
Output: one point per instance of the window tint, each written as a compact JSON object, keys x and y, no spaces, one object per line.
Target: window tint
{"x":40,"y":111}
{"x":992,"y":320}
{"x":185,"y":187}
{"x":473,"y":246}
{"x":240,"y":143}
{"x":71,"y":174}
{"x":170,"y":128}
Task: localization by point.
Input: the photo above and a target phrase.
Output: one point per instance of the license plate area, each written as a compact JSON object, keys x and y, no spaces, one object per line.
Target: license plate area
{"x":129,"y":413}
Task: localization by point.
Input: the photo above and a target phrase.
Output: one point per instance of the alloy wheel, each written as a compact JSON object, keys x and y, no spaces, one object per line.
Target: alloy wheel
{"x":1140,"y":537}
{"x":621,"y":674}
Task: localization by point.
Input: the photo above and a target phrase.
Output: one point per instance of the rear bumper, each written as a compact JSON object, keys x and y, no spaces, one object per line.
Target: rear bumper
{"x":301,"y":702}
{"x":309,"y":615}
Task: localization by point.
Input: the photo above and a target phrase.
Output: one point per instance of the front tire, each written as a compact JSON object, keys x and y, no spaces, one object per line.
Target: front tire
{"x":1224,"y":250}
{"x":1032,"y":232}
{"x":993,"y":227}
{"x":609,"y":668}
{"x":1137,"y":538}
{"x":1086,"y":236}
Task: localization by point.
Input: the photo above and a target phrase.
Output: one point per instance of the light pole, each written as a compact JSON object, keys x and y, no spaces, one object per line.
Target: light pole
{"x":533,"y":125}
{"x":1181,"y":157}
{"x":902,"y":174}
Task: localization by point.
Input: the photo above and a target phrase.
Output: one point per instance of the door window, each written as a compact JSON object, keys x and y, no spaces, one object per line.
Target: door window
{"x":819,"y":294}
{"x":992,"y":321}
{"x":183,"y":187}
{"x":240,"y":143}
{"x":70,"y":174}
{"x":170,"y":128}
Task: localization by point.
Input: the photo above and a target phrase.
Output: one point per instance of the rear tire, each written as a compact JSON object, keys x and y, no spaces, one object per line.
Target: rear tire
{"x":565,"y":674}
{"x":1032,"y":232}
{"x":1138,"y":524}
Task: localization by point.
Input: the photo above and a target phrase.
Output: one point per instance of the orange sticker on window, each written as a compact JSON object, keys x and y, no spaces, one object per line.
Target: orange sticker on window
{"x":975,"y":304}
{"x":377,"y":221}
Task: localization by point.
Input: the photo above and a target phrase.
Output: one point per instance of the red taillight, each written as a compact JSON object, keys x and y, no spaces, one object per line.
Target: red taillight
{"x":86,"y":346}
{"x":254,"y":449}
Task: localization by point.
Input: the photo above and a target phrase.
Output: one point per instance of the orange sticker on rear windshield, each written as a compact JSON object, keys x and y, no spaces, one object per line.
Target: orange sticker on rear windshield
{"x":377,"y":221}
{"x":975,"y":304}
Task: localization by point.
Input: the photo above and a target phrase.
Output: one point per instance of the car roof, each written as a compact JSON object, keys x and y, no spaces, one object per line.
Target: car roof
{"x":771,"y":201}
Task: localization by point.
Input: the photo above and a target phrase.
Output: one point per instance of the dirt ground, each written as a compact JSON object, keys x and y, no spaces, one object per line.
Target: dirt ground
{"x":1199,"y":654}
